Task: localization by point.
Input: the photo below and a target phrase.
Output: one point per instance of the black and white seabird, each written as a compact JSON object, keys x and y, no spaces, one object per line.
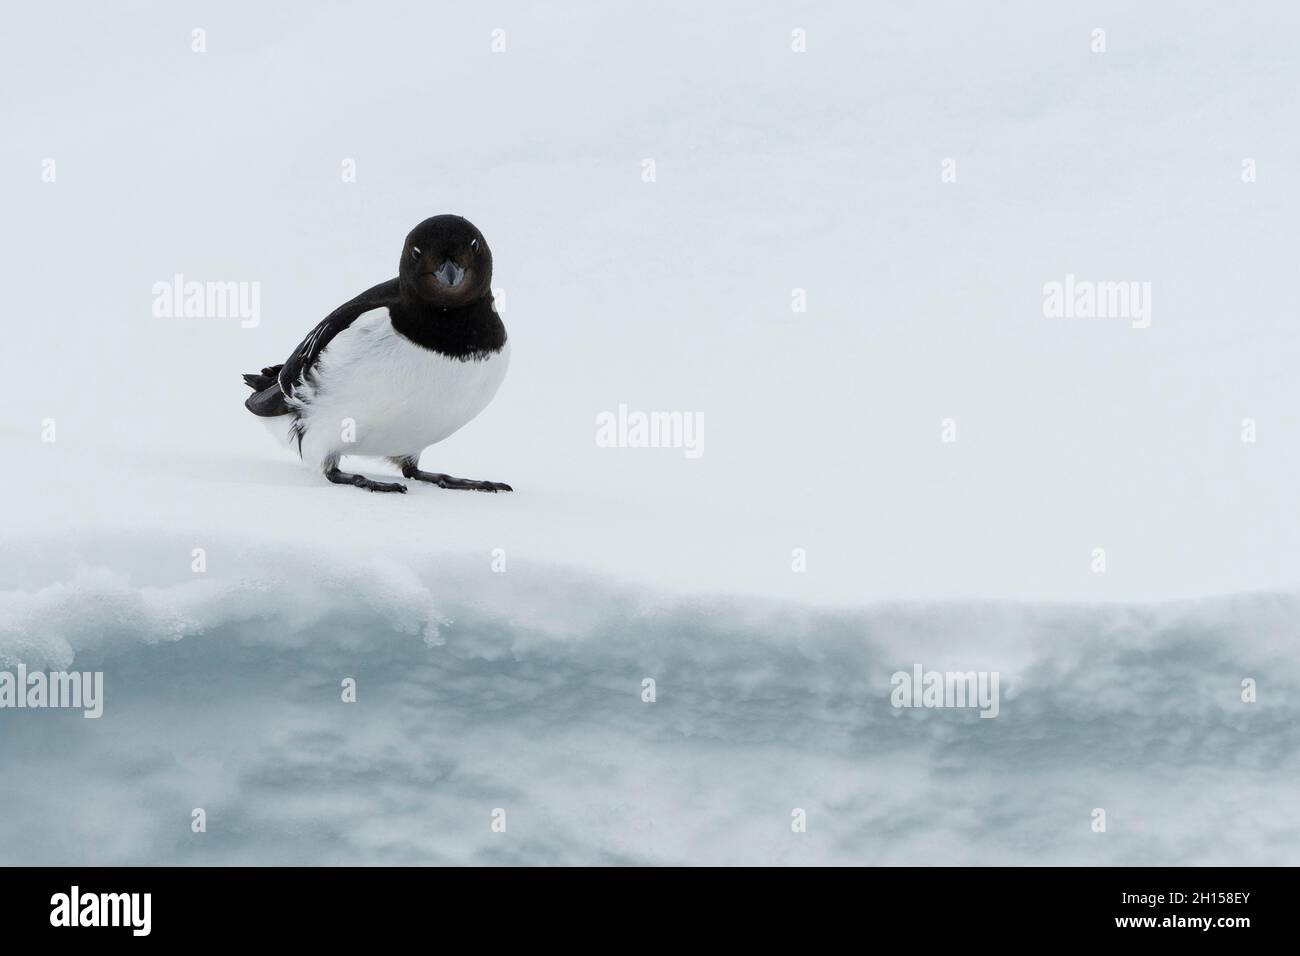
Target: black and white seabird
{"x":397,"y":369}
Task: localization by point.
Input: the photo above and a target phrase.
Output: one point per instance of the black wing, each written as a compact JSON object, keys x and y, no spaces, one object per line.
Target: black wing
{"x":303,"y":359}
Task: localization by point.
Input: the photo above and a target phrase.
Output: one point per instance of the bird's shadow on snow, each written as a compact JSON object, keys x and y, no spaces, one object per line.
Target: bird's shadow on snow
{"x":263,"y":471}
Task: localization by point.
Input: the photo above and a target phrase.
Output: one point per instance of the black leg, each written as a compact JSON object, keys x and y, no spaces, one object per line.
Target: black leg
{"x":411,"y":469}
{"x":343,"y":478}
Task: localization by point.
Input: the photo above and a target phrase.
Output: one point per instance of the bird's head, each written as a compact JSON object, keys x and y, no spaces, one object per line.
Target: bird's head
{"x":446,"y":263}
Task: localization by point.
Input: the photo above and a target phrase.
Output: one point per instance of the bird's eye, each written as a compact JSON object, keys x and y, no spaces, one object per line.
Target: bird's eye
{"x":473,"y":244}
{"x":415,"y":253}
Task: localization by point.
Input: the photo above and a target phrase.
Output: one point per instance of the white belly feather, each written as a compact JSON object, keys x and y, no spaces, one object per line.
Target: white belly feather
{"x":388,"y":395}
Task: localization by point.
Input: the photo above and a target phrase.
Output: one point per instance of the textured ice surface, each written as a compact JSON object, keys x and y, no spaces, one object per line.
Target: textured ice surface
{"x":522,"y":691}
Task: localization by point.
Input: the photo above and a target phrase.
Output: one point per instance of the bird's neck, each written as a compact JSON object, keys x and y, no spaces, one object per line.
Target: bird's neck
{"x":465,"y":332}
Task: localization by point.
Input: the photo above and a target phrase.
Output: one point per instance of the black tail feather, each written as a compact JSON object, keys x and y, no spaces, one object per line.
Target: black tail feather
{"x":263,"y":379}
{"x":267,"y":400}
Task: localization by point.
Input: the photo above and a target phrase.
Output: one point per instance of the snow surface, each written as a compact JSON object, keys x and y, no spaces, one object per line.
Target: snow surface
{"x":522,"y":691}
{"x":775,"y":171}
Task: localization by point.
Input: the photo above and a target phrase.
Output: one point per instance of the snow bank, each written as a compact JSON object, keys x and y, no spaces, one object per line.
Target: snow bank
{"x":523,"y":691}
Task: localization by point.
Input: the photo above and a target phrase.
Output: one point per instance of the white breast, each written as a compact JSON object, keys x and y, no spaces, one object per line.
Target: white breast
{"x":389,"y":395}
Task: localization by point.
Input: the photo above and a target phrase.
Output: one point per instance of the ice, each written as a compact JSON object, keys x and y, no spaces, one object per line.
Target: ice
{"x":523,"y":691}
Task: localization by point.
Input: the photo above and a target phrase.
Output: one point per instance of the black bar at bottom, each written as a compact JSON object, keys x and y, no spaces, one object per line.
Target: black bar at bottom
{"x":338,"y":905}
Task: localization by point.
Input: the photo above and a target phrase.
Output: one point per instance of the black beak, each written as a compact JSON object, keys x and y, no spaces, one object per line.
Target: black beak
{"x":449,"y":274}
